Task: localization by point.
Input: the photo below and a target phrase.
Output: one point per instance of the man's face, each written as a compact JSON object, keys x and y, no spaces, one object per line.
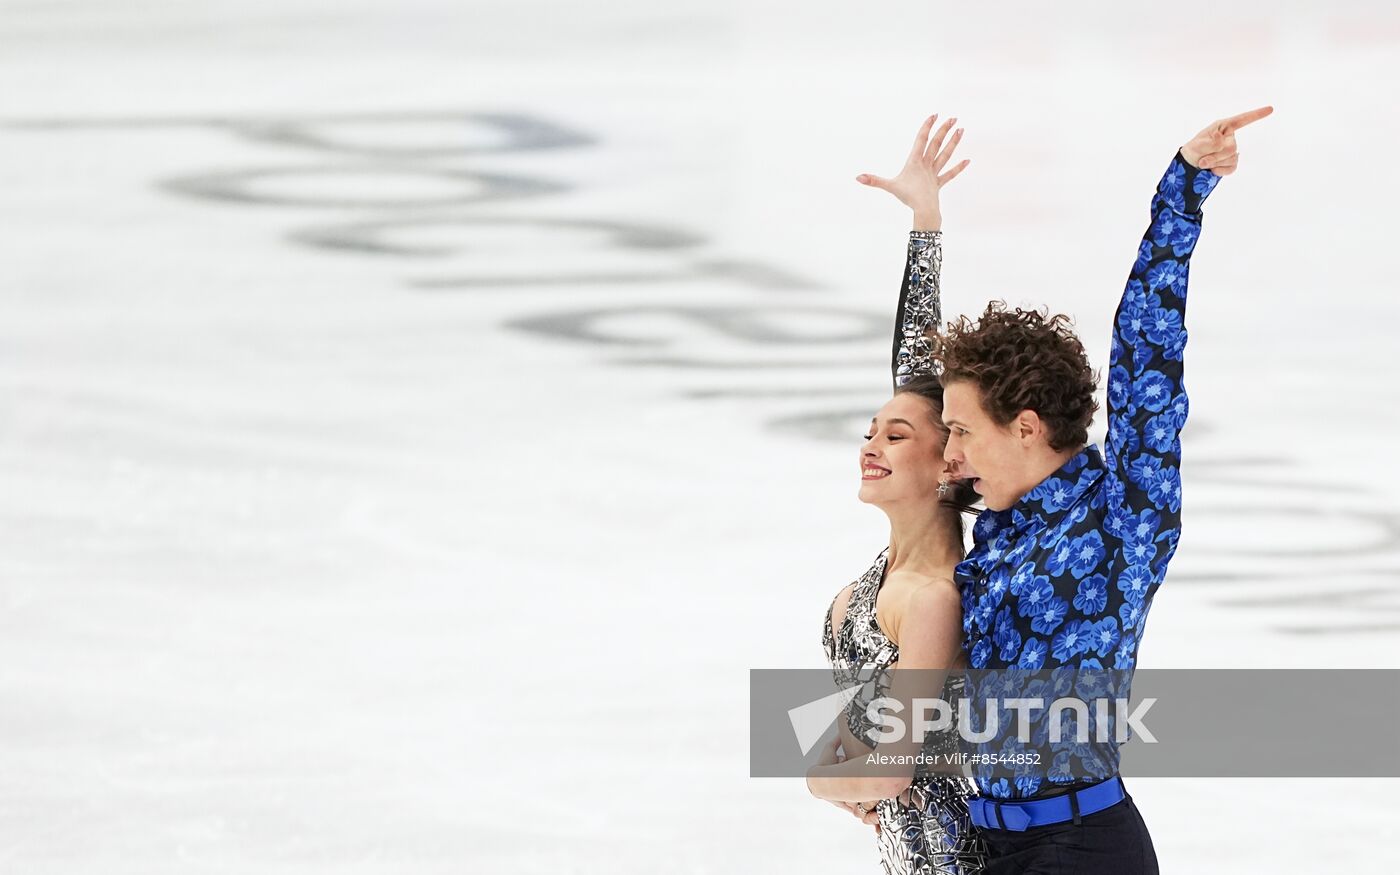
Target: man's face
{"x":988,"y":455}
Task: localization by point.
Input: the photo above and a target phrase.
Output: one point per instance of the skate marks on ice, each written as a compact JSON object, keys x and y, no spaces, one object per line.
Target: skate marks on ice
{"x":386,"y":150}
{"x":455,"y":222}
{"x":420,"y":188}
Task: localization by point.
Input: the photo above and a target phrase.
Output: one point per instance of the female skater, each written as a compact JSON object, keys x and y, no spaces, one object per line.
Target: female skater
{"x":905,"y":611}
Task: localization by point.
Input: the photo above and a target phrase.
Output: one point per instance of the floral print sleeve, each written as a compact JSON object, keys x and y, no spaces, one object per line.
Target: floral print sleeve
{"x":920,"y":308}
{"x":1147,"y":402}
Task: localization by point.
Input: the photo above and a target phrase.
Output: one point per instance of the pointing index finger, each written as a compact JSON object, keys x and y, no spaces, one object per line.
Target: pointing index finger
{"x":1234,"y":123}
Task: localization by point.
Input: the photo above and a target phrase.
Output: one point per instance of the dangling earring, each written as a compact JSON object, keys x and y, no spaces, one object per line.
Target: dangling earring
{"x":944,"y":488}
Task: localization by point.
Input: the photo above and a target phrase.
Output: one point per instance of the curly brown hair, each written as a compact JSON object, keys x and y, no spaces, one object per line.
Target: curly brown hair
{"x":1024,"y":360}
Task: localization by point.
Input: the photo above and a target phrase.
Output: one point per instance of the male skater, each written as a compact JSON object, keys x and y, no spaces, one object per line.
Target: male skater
{"x":1073,"y":545}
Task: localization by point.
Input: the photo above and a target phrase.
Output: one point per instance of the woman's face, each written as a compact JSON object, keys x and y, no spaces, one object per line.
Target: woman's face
{"x":902,"y":457}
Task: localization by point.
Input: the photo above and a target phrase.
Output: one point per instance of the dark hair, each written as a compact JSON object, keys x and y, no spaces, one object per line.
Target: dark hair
{"x":961,"y":497}
{"x":1023,"y":360}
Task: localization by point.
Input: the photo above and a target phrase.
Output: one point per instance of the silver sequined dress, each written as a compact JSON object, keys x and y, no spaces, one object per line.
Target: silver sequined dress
{"x":930,"y":833}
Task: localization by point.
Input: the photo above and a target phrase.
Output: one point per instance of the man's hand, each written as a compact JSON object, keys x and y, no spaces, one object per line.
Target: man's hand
{"x":918,"y":184}
{"x":1214,"y":148}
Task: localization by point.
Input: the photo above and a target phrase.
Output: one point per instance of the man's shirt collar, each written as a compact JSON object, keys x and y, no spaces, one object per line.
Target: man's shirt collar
{"x":1058,"y":492}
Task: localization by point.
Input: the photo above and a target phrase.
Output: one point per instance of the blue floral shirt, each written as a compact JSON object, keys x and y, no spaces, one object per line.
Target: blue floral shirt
{"x":1065,"y":577}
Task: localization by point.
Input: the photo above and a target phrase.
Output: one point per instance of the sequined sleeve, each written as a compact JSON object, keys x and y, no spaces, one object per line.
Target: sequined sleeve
{"x":920,"y":309}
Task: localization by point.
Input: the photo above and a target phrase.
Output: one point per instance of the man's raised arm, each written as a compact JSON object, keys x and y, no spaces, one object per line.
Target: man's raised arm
{"x":1147,"y":401}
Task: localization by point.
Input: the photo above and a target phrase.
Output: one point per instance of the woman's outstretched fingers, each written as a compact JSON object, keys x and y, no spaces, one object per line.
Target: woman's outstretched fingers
{"x":917,"y":183}
{"x":953,"y":174}
{"x":946,"y":153}
{"x":936,"y":144}
{"x":921,"y":138}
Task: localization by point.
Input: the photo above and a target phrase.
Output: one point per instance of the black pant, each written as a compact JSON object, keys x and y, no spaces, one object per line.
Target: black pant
{"x":1113,"y":841}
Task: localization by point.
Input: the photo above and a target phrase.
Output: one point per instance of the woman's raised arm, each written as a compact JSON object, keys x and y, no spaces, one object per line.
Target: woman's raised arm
{"x":917,"y":186}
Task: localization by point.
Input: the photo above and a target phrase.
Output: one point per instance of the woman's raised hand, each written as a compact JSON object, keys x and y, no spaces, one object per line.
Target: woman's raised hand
{"x":918,"y":184}
{"x":1214,"y":148}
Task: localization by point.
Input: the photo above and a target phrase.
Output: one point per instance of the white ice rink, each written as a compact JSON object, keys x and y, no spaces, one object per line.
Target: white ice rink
{"x":418,"y":417}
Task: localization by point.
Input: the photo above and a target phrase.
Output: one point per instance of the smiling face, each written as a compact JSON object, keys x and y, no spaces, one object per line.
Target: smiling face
{"x":902,"y":457}
{"x":992,"y":457}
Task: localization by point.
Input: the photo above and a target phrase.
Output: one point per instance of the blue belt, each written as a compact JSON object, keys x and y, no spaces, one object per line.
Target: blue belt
{"x":1019,"y":816}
